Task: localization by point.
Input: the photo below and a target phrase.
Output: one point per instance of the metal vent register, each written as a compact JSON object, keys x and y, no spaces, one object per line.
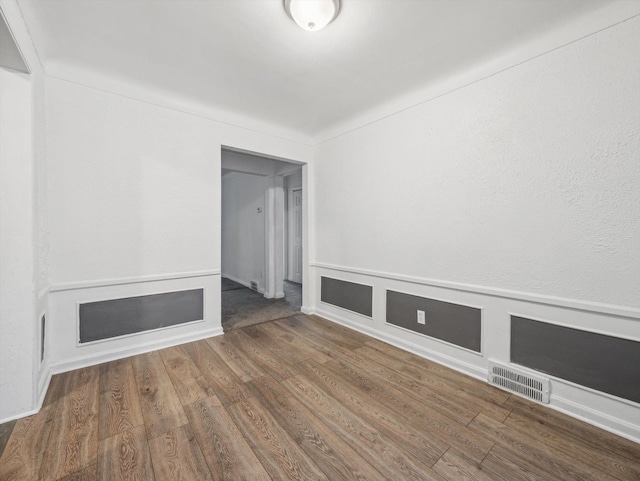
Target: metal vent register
{"x":519,"y":382}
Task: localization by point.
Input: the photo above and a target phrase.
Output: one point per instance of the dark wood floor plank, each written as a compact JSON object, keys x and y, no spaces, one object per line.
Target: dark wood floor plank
{"x":238,"y":361}
{"x":125,"y":457}
{"x":177,"y":456}
{"x":279,"y":454}
{"x":334,"y":334}
{"x":406,"y":410}
{"x":454,"y":465}
{"x":445,"y":401}
{"x":300,"y":398}
{"x":285,"y":345}
{"x":513,"y":468}
{"x":604,"y":461}
{"x":161,"y":407}
{"x":187,"y":379}
{"x":384,"y":453}
{"x":578,"y":432}
{"x":326,"y":346}
{"x":24,"y":451}
{"x":119,"y":404}
{"x":330,"y":453}
{"x":422,"y":445}
{"x":557,"y":465}
{"x":73,"y":442}
{"x":5,"y":433}
{"x":325,"y":327}
{"x":272,"y":364}
{"x":225,"y":450}
{"x":439,"y":387}
{"x":86,"y":474}
{"x":226,"y":385}
{"x":418,"y":366}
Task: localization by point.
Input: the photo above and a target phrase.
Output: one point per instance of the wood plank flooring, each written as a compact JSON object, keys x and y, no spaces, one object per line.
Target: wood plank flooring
{"x":299,"y":398}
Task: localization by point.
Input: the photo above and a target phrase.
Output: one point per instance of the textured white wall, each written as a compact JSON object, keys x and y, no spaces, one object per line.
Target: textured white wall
{"x":527,"y":180}
{"x":243,"y":228}
{"x":17,"y":262}
{"x":133,"y":187}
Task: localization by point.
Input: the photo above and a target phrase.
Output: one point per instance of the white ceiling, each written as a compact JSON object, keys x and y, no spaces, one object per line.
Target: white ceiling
{"x":247,"y":59}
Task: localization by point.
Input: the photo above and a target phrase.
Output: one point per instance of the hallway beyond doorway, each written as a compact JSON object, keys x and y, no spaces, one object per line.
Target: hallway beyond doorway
{"x":242,"y":307}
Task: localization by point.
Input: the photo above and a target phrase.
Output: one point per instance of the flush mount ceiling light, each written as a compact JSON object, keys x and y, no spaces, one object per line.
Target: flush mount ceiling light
{"x":312,"y":15}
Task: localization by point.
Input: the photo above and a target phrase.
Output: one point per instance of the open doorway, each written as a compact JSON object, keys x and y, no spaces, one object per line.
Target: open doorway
{"x":262,"y":242}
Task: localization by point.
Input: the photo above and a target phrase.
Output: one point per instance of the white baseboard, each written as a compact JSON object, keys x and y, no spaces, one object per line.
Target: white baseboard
{"x":112,"y":355}
{"x":608,"y":412}
{"x":596,"y":418}
{"x":67,"y":286}
{"x":20,"y":415}
{"x":86,"y":361}
{"x":417,"y":349}
{"x":246,"y":284}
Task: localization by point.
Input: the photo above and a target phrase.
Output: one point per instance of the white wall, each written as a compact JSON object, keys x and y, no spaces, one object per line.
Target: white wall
{"x":243,"y":228}
{"x":527,"y":180}
{"x":518,"y":193}
{"x":18,"y":340}
{"x":134,"y":208}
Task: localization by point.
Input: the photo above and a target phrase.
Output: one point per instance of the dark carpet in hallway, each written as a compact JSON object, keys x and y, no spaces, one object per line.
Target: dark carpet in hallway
{"x":242,"y":307}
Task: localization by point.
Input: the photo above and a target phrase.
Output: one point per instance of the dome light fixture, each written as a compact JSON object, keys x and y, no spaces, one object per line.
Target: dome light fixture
{"x":312,"y":15}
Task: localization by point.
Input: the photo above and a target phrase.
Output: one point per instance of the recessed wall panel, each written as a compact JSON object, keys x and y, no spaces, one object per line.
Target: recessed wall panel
{"x":453,"y":323}
{"x":605,"y":363}
{"x":119,"y":317}
{"x":348,"y":295}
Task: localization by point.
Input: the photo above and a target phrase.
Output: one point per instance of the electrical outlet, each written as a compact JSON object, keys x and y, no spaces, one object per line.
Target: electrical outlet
{"x":421,"y":319}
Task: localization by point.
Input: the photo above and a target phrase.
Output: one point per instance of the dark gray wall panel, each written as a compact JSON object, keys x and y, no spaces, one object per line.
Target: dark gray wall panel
{"x":117,"y":317}
{"x":348,"y":295}
{"x":608,"y":364}
{"x":459,"y":325}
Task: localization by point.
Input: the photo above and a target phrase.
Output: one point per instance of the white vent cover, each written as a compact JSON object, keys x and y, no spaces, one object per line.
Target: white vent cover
{"x":519,"y":382}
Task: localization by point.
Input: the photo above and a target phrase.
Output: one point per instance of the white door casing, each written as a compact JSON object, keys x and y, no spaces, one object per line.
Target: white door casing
{"x":295,"y":236}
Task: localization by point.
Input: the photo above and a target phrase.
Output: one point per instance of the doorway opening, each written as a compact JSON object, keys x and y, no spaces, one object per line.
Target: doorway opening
{"x":262,"y":238}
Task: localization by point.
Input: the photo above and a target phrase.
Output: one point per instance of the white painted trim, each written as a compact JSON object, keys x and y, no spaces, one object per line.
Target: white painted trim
{"x":442,"y":341}
{"x":43,"y":292}
{"x":373,"y":297}
{"x":43,"y":385}
{"x":333,"y":306}
{"x":572,"y":326}
{"x":244,"y":283}
{"x":411,"y":347}
{"x":68,"y":286}
{"x":91,"y":360}
{"x":596,"y":418}
{"x":30,"y":412}
{"x":563,"y":35}
{"x":609,"y":309}
{"x":584,"y":413}
{"x":139,"y":333}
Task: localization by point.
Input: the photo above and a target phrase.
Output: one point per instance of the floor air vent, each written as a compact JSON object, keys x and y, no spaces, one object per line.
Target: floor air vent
{"x":519,"y":382}
{"x":254,"y":285}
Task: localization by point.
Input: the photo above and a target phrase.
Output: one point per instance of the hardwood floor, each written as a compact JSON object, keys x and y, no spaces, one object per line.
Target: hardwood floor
{"x":299,"y":399}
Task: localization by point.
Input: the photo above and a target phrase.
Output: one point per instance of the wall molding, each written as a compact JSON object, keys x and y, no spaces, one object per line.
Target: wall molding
{"x":90,"y":360}
{"x":119,"y":353}
{"x":69,"y":286}
{"x":608,"y":412}
{"x":417,"y":349}
{"x":596,"y":418}
{"x":554,"y":301}
{"x":246,"y":284}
